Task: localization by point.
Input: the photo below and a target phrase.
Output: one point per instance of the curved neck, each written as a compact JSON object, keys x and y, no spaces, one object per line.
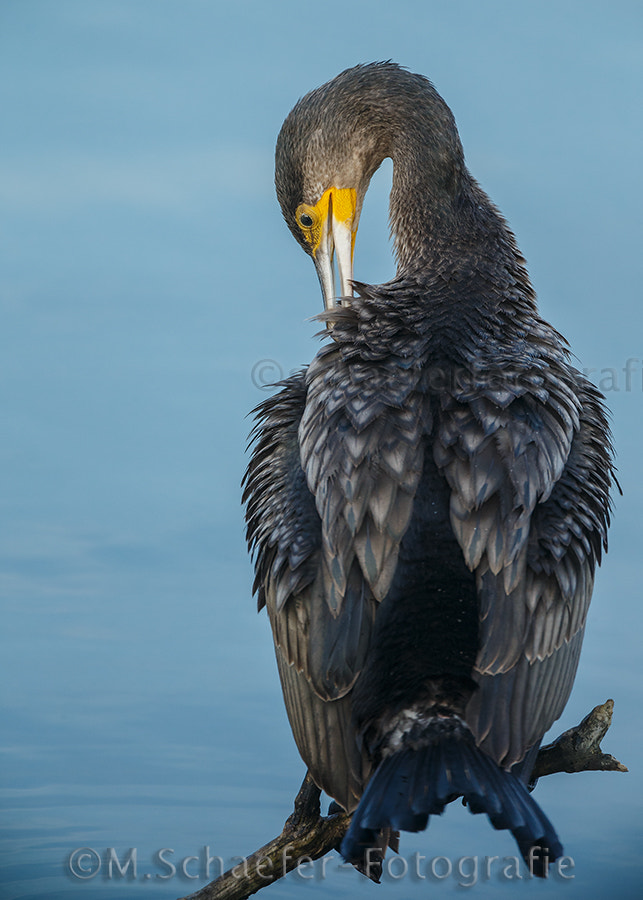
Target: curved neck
{"x":423,"y":215}
{"x":439,"y":216}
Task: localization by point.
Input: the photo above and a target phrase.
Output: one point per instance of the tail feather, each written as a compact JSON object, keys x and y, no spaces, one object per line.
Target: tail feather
{"x":418,"y":781}
{"x":389,"y":795}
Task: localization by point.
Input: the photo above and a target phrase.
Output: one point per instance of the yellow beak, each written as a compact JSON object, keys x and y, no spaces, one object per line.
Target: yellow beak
{"x":332,"y":238}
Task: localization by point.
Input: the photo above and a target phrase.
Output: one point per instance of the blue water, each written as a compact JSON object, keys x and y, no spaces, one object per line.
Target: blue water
{"x":148,"y":290}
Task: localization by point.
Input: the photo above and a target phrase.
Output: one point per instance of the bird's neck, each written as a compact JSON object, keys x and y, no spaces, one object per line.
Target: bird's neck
{"x":441,"y":220}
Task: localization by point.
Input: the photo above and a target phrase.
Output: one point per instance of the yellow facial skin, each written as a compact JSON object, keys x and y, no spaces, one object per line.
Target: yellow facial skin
{"x":311,"y":219}
{"x":329,"y":227}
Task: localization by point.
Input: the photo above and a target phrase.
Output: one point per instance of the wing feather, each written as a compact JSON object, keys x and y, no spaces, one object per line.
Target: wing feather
{"x":329,"y":492}
{"x":529,"y":480}
{"x":325,"y":736}
{"x":362,"y":457}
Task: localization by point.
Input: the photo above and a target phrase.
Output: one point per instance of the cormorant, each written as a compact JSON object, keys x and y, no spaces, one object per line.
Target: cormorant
{"x":427,"y":502}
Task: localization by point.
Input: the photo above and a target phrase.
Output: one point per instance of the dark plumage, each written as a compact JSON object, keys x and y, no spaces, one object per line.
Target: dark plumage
{"x":428,"y":501}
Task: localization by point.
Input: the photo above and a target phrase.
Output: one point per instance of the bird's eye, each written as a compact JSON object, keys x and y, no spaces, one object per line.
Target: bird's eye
{"x":308,"y":219}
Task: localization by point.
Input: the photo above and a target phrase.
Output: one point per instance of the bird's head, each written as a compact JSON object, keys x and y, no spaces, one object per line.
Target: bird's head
{"x":334,"y":140}
{"x":327,"y":151}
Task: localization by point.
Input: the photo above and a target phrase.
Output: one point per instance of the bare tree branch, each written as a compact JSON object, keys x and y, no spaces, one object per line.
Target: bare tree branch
{"x":579,"y":749}
{"x":307,"y":835}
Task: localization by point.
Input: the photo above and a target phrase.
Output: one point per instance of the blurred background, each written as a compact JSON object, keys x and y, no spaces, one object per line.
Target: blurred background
{"x":149,"y":294}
